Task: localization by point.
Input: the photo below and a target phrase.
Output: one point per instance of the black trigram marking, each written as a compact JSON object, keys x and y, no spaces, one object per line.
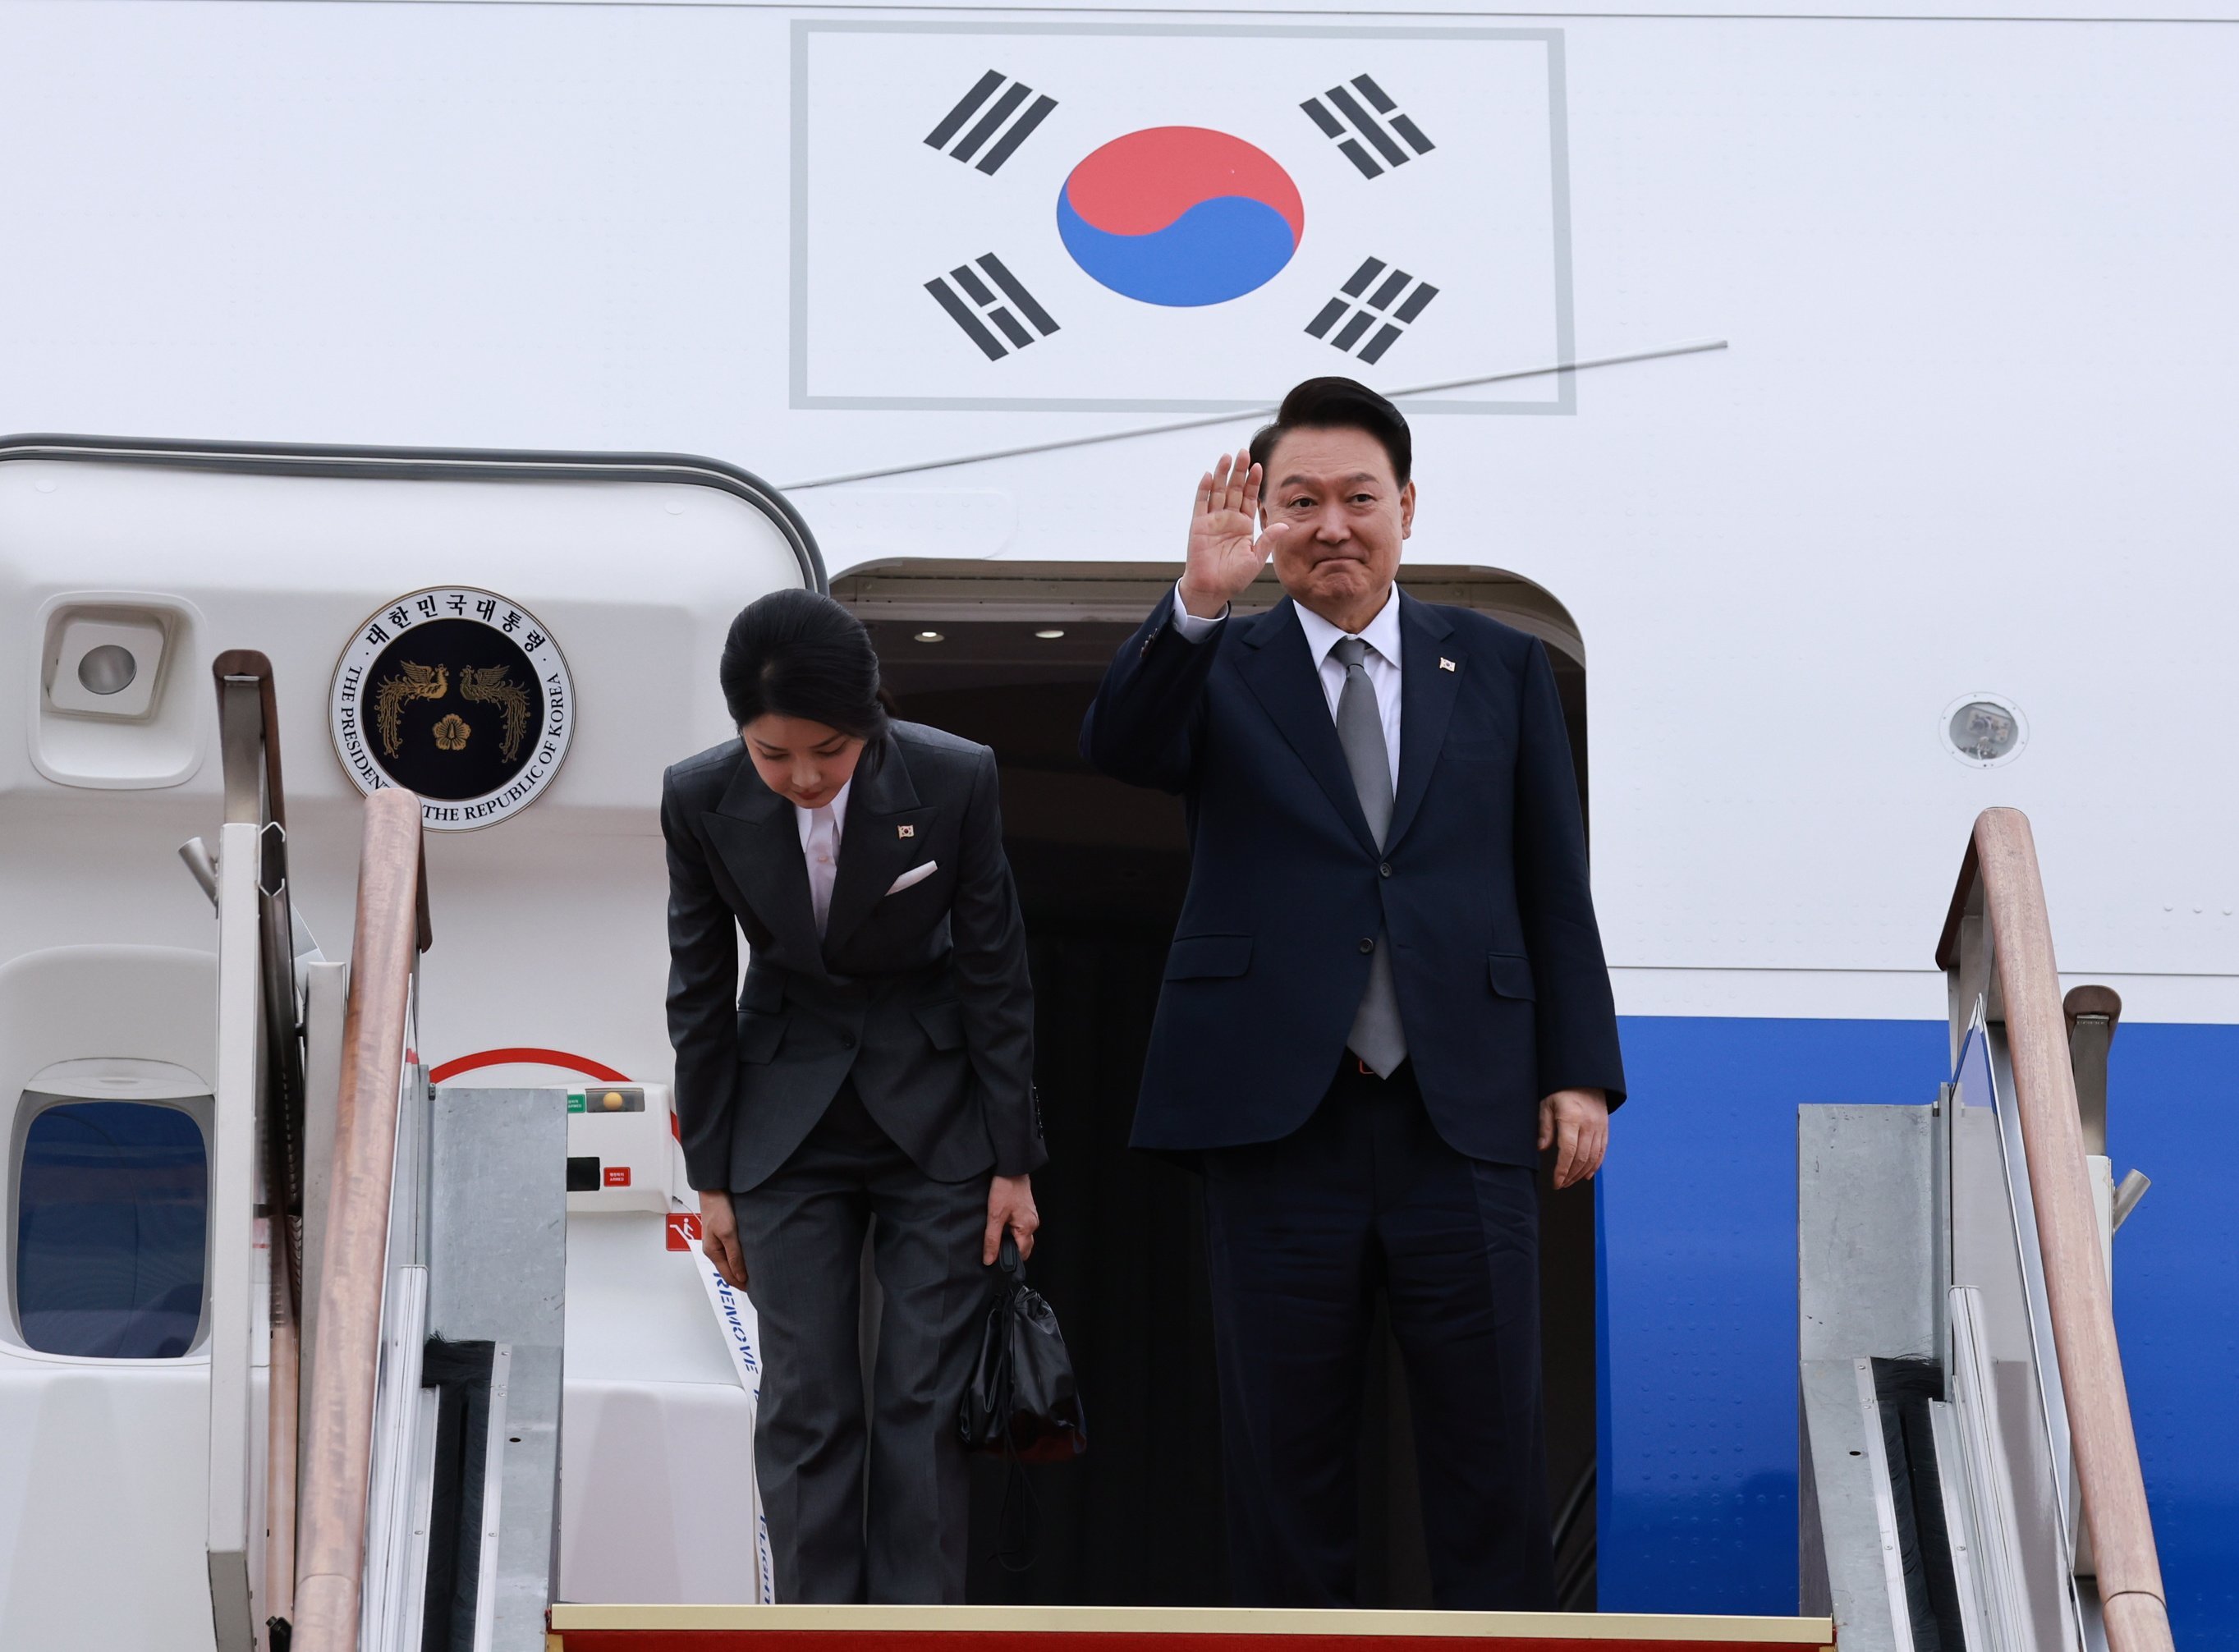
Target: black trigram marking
{"x":996,"y":116}
{"x":1372,"y":296}
{"x":971,"y":304}
{"x":1366,"y":125}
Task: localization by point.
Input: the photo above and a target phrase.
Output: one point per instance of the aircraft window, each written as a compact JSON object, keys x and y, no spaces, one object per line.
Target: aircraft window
{"x":112,"y":1205}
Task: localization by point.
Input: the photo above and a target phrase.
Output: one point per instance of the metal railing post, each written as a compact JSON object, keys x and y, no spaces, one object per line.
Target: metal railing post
{"x":2092,"y":1013}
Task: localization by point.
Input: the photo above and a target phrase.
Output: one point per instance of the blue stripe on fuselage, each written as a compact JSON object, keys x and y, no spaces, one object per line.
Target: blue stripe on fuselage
{"x":1697,"y":1215}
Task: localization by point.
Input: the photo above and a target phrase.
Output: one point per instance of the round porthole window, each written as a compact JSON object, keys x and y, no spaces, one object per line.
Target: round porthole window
{"x":1984,"y":731}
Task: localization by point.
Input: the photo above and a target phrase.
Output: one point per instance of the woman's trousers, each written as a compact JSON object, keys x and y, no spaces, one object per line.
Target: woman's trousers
{"x":864,"y":1503}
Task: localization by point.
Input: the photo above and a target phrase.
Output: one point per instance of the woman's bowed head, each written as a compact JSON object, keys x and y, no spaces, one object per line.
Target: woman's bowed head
{"x":801,"y":680}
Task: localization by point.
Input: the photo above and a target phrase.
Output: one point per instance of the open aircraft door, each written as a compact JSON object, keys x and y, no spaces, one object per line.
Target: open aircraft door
{"x":133,"y":573}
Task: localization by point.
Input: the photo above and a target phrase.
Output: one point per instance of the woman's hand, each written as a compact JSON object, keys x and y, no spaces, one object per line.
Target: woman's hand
{"x":1010,"y":1204}
{"x":719,"y":1237}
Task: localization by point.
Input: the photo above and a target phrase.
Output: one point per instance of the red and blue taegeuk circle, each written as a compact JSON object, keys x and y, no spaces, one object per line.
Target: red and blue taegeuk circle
{"x":1180,"y":215}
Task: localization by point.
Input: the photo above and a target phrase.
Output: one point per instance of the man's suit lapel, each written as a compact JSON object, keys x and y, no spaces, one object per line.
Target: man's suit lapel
{"x":873,"y":850}
{"x":754,"y":830}
{"x":1277,"y":666}
{"x":1426,"y":704}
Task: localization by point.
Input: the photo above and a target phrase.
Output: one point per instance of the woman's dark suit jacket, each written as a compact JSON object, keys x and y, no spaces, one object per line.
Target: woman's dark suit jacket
{"x":921,"y":996}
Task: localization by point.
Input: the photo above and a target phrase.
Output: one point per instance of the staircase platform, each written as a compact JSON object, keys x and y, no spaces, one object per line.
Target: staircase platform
{"x":1155,"y":1629}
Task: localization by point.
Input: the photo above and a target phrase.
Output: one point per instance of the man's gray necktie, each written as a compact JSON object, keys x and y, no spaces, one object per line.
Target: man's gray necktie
{"x":1375,"y":1037}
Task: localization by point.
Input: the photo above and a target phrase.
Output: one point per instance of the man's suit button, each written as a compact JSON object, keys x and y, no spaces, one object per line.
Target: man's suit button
{"x":1366,"y":944}
{"x":847,"y":1040}
{"x":1385,"y":871}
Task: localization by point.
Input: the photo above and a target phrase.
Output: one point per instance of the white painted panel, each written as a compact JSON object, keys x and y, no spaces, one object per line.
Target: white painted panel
{"x":84,"y":1433}
{"x":1970,"y":434}
{"x":647,"y":1512}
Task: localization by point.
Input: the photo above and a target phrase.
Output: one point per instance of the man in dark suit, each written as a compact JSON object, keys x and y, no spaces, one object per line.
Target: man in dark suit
{"x":1385,"y":997}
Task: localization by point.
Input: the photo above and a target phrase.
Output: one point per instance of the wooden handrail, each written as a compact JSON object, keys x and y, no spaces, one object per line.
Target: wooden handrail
{"x":2002,"y":857}
{"x":338,"y":1450}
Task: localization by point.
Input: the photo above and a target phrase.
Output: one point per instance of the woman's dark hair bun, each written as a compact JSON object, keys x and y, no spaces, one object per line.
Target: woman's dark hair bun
{"x":799,"y":654}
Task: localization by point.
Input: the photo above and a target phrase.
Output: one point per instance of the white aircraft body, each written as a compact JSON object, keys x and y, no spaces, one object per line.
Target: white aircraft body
{"x":1843,"y":397}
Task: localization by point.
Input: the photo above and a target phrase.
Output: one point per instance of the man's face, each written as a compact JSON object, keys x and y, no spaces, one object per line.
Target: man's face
{"x":1347,"y":515}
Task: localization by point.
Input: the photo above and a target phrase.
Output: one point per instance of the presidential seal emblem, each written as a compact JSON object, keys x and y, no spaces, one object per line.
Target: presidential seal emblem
{"x":458,"y":694}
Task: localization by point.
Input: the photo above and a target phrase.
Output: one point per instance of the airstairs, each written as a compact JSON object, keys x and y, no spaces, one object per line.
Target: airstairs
{"x":1971,"y":1477}
{"x":389,"y":1275}
{"x":408,"y":1313}
{"x":432,"y":1381}
{"x":407,"y":1487}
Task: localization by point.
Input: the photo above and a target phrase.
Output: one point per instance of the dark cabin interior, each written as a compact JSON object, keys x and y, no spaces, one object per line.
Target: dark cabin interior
{"x":1101,"y":868}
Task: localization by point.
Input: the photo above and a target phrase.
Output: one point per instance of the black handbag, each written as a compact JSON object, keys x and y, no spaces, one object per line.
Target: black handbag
{"x":1022,"y":1401}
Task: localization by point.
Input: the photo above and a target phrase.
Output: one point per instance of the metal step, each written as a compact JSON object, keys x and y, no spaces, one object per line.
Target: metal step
{"x":1153,"y":1628}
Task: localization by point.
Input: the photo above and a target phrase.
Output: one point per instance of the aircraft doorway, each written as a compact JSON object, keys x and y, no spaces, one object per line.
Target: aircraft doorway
{"x":1011,"y":654}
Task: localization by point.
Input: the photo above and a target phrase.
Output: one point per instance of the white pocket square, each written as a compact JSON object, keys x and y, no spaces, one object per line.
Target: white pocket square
{"x":915,"y":875}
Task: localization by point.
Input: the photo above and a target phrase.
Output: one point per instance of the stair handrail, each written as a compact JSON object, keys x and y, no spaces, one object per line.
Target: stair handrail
{"x":257,"y":829}
{"x":1996,"y":944}
{"x":392,"y":930}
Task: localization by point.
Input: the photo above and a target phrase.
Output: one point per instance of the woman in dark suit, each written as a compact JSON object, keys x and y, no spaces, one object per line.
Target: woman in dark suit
{"x":878,"y":1063}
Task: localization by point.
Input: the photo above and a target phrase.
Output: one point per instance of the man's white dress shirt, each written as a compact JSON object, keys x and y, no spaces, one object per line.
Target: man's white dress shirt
{"x":1381,"y":662}
{"x":819,"y":847}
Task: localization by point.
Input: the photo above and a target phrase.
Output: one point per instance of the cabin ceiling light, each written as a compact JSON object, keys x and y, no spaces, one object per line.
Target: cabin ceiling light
{"x":930,"y":636}
{"x":1984,"y":731}
{"x":1052,"y":634}
{"x":106,"y":668}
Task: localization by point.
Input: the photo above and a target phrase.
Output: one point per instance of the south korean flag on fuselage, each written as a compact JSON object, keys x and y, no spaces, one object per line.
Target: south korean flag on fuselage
{"x":1139,"y":217}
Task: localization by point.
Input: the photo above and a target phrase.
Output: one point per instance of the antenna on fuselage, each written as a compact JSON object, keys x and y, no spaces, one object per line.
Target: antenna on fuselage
{"x":1259,"y":410}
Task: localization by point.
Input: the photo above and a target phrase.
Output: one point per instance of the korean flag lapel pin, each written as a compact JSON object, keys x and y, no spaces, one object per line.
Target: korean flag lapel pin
{"x":1445,"y":664}
{"x":905,"y":831}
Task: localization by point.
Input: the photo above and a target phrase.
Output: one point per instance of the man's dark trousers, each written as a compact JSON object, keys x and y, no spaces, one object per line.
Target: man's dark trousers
{"x":1301,"y":1233}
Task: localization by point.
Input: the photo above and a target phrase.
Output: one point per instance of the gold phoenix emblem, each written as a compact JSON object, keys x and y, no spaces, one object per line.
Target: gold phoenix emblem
{"x":487,"y":684}
{"x":490,"y":685}
{"x":416,"y":682}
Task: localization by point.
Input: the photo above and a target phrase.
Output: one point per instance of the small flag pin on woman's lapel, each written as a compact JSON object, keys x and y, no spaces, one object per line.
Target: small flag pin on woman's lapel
{"x":906,"y":832}
{"x":1445,"y":664}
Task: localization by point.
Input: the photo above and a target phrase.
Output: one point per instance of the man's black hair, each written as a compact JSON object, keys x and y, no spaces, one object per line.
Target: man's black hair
{"x":799,"y":654}
{"x":1339,"y":404}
